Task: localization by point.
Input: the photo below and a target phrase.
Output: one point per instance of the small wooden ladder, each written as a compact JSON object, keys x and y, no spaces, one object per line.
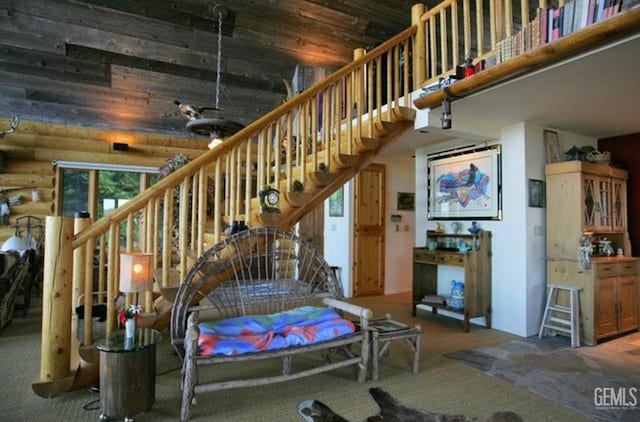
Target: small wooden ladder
{"x":552,"y":320}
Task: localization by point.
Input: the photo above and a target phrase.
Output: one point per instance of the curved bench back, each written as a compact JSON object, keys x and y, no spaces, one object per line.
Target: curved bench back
{"x":256,"y":271}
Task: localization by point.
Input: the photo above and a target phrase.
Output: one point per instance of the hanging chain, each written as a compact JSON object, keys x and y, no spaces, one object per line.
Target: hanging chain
{"x":219,"y":56}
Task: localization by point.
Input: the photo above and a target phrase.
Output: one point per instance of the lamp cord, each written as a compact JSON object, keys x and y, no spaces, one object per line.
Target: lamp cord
{"x":219,"y":55}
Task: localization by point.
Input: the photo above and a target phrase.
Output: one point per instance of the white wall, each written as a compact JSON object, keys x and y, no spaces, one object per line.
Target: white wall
{"x":338,"y":240}
{"x":518,"y":264}
{"x":399,"y":236}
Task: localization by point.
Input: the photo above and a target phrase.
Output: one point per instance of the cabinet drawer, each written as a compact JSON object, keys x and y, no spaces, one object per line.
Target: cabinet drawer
{"x":609,"y":269}
{"x":629,"y":267}
{"x":426,"y":256}
{"x":451,"y":258}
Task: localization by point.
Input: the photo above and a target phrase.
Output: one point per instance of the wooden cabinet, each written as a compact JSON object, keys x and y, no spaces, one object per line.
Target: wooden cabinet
{"x":590,"y":199}
{"x":615,"y":298}
{"x":477,"y":272}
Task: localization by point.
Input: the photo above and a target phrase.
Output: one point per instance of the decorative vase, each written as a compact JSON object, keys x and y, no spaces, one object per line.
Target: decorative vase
{"x":130,"y":327}
{"x":474,"y":228}
{"x":456,"y":300}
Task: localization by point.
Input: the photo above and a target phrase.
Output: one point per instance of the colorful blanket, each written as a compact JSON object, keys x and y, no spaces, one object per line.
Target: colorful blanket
{"x":253,"y":333}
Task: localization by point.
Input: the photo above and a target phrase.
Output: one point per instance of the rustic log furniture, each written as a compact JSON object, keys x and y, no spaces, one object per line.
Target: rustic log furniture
{"x":127,"y":373}
{"x":256,"y":272}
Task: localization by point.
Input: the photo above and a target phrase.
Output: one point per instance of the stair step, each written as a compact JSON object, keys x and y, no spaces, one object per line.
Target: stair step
{"x":345,"y":161}
{"x":383,"y":127}
{"x":297,"y":199}
{"x":400,"y":114}
{"x":366,"y":144}
{"x":321,"y":178}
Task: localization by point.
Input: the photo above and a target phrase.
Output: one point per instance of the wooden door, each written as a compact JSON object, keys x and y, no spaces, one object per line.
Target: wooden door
{"x":368,"y":256}
{"x":627,"y":303}
{"x":606,"y":321}
{"x":312,"y":228}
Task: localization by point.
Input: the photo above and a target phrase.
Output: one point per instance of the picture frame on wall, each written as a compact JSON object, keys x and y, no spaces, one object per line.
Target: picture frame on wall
{"x":465,"y":185}
{"x":336,"y":203}
{"x":552,"y":146}
{"x":406,"y":201}
{"x":536,"y":193}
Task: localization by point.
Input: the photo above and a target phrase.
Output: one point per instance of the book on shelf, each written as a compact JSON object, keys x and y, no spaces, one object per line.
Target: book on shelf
{"x":567,"y":17}
{"x":433,"y":299}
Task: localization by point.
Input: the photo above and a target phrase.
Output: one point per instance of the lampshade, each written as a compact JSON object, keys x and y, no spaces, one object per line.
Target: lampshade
{"x":136,"y":272}
{"x":17,"y":243}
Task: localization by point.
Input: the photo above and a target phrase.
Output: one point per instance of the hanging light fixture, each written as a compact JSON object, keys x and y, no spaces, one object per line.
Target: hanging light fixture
{"x":208,"y":121}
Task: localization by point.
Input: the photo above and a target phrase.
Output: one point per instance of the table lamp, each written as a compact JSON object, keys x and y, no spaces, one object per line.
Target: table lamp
{"x":136,"y":272}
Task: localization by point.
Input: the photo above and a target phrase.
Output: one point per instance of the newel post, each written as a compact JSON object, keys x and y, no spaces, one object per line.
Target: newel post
{"x":55,"y":354}
{"x":419,"y":46}
{"x":359,"y":82}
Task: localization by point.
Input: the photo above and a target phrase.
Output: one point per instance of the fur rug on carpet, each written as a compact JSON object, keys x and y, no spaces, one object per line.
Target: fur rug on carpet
{"x":391,"y":411}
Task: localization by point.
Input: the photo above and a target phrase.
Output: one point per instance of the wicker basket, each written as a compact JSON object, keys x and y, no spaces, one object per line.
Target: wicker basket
{"x":598,"y":157}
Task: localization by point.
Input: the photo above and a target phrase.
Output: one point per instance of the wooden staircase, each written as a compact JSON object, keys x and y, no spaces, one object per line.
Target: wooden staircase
{"x":306,"y":148}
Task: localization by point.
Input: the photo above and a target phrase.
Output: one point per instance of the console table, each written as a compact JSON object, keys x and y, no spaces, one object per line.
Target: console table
{"x":476,"y":261}
{"x":127,"y":373}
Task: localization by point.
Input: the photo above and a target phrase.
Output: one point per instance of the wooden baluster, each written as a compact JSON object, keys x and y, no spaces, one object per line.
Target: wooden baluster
{"x":432,"y":48}
{"x":88,"y":292}
{"x":407,"y":87}
{"x":277,"y":156}
{"x":455,"y":39}
{"x":418,"y":47}
{"x":524,"y":13}
{"x":248,"y":164}
{"x":508,"y":17}
{"x":238,"y":184}
{"x":261,"y":157}
{"x":314,"y":132}
{"x":466,"y":22}
{"x":396,"y":81}
{"x":492,"y":24}
{"x":183,"y":224}
{"x":217,"y":212}
{"x":227,"y":184}
{"x":201,"y":220}
{"x":101,"y":274}
{"x":444,"y":62}
{"x":337,"y":106}
{"x":167,"y":235}
{"x":349,"y":111}
{"x":112,"y":284}
{"x":194,"y":212}
{"x":288,"y":149}
{"x":480,"y":27}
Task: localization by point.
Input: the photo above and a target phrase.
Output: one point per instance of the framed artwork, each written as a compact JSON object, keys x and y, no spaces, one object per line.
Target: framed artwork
{"x":406,"y":201}
{"x":536,"y":193}
{"x":552,"y":146}
{"x":336,"y":203}
{"x":465,"y":186}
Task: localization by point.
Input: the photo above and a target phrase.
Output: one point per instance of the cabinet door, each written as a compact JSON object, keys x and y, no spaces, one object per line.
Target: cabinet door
{"x":604,"y":210}
{"x":590,"y":201}
{"x":619,"y":204}
{"x":627,"y":303}
{"x":606,"y":320}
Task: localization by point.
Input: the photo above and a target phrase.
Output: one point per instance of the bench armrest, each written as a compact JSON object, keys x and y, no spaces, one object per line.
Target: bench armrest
{"x":364,"y":314}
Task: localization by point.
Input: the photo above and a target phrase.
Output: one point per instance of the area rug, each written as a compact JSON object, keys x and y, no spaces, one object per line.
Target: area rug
{"x":602,"y":382}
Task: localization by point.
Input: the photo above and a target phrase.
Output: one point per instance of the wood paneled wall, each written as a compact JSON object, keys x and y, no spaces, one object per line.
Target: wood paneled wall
{"x":29,"y":152}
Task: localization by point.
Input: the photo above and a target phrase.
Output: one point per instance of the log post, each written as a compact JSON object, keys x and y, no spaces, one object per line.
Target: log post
{"x":56,"y":300}
{"x":419,"y":45}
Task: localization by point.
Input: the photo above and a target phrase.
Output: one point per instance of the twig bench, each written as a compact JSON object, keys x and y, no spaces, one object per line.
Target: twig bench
{"x":253,"y":273}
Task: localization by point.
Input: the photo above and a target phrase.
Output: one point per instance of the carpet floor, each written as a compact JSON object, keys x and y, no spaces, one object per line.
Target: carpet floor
{"x":443,"y":385}
{"x":602,"y":382}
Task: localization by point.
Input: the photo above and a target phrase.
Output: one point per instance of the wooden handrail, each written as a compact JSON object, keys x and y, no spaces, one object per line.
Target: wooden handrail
{"x":616,"y":26}
{"x":137,"y":203}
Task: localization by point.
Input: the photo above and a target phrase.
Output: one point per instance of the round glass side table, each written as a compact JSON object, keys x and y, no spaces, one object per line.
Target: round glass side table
{"x":127,"y":373}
